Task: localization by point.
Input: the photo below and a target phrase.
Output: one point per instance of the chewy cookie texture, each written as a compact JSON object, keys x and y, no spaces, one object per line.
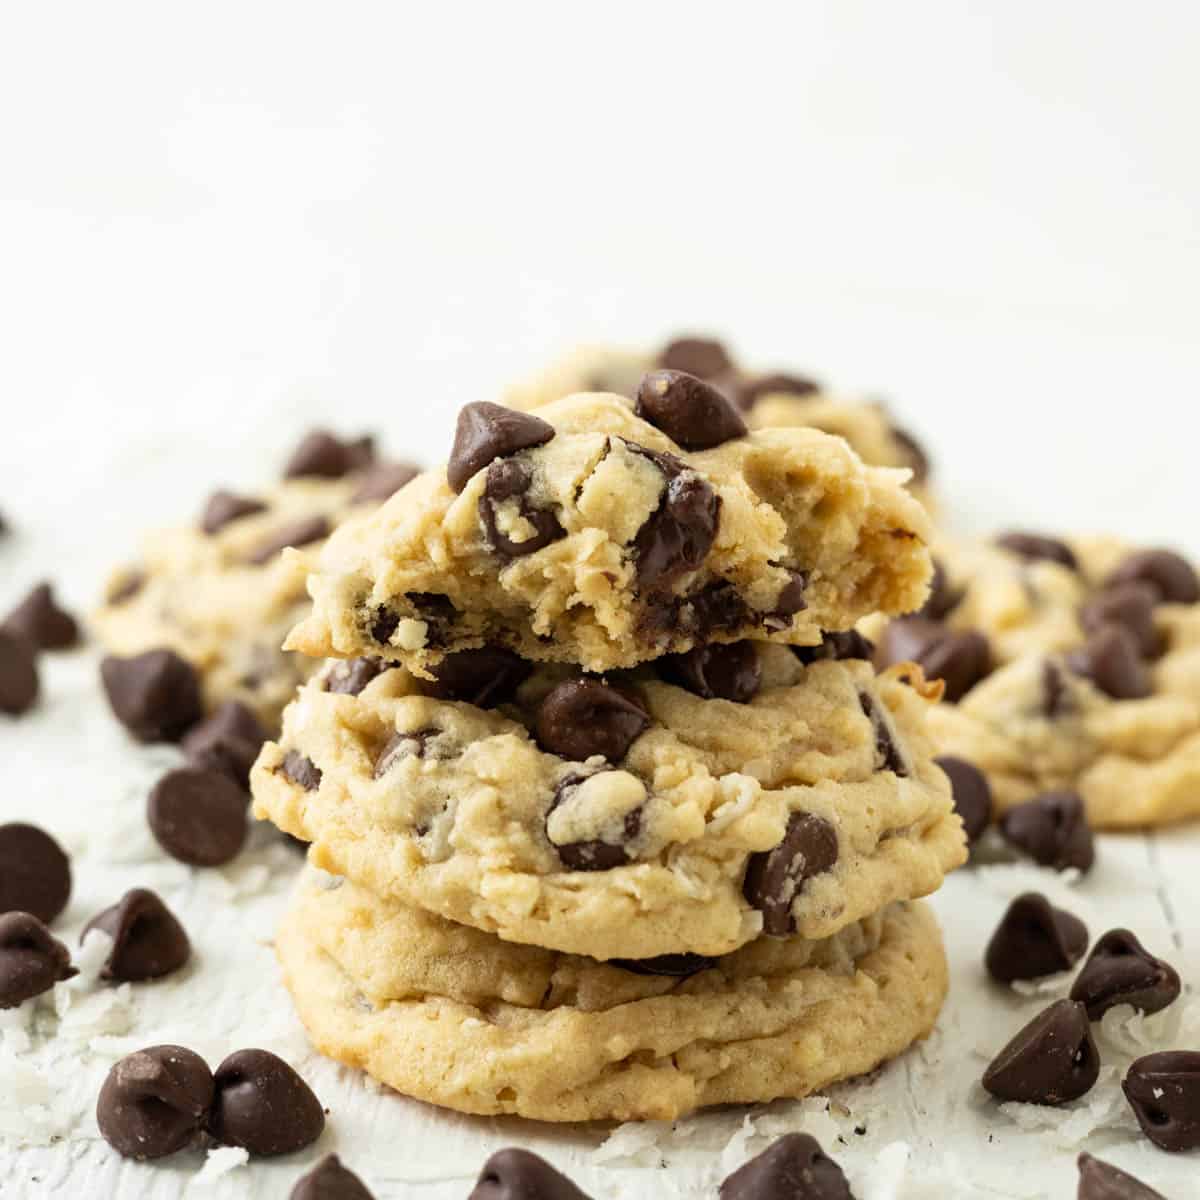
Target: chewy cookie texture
{"x":604,"y":531}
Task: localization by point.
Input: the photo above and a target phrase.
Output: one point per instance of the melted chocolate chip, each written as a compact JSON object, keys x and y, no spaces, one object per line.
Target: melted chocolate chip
{"x":260,"y":1103}
{"x":327,"y":456}
{"x":198,"y":816}
{"x":41,"y":622}
{"x":1102,"y":1181}
{"x":301,"y":532}
{"x":1053,"y":830}
{"x":1110,"y":659}
{"x":148,"y":940}
{"x":155,"y":695}
{"x":1052,"y":1060}
{"x":1034,"y":547}
{"x":301,"y":770}
{"x":793,"y":1168}
{"x":1170,"y":574}
{"x":748,"y":392}
{"x":383,"y":623}
{"x":225,"y":507}
{"x":1163,"y":1090}
{"x":715,"y":608}
{"x":348,"y":676}
{"x":705,"y":358}
{"x":438,"y":613}
{"x":972,"y":795}
{"x":228,"y":741}
{"x":32,"y":960}
{"x":593,"y":854}
{"x":485,"y":677}
{"x":674,"y":966}
{"x":791,"y":600}
{"x":960,"y":658}
{"x":329,"y":1180}
{"x":716,"y":672}
{"x":154,"y":1102}
{"x":486,"y":432}
{"x":402,"y":745}
{"x":774,"y":878}
{"x":1034,"y":939}
{"x":678,"y":535}
{"x":887,"y":753}
{"x":1120,"y":970}
{"x":692,"y":413}
{"x":520,"y":1175}
{"x":837,"y":647}
{"x":1056,"y":697}
{"x":19,"y":683}
{"x":382,"y":481}
{"x":35,"y":874}
{"x":944,"y":598}
{"x":1129,"y":605}
{"x":582,"y":717}
{"x":508,"y":480}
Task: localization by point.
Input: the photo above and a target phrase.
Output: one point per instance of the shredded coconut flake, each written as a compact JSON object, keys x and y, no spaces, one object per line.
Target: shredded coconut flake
{"x":220,"y":1161}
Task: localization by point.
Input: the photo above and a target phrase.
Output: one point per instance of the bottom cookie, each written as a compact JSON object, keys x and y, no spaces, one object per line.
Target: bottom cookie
{"x":456,"y":1017}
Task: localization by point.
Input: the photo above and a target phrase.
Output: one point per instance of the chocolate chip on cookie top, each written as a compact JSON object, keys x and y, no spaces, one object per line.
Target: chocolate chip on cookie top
{"x":595,"y":818}
{"x":1036,"y":547}
{"x":1110,"y":659}
{"x":1034,"y":939}
{"x":1130,"y":606}
{"x":486,"y":432}
{"x":514,"y":526}
{"x":303,"y":531}
{"x":381,"y":481}
{"x":774,"y":878}
{"x":1163,"y":1089}
{"x":1120,"y":970}
{"x":584,"y":717}
{"x":327,"y":456}
{"x":1051,"y":1060}
{"x":723,"y":671}
{"x":148,"y":941}
{"x":692,"y":413}
{"x":262,"y":1104}
{"x":35,"y":873}
{"x":958,"y":657}
{"x":793,"y":1167}
{"x":301,"y":770}
{"x":706,"y":358}
{"x":223,"y":508}
{"x":485,"y":676}
{"x":1170,"y":574}
{"x":32,"y":959}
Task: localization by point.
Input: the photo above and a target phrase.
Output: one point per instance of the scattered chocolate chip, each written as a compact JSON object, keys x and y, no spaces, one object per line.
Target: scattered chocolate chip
{"x":1052,"y":1060}
{"x":508,"y":480}
{"x":1163,"y":1090}
{"x":154,"y":1101}
{"x":155,"y":695}
{"x":748,"y":392}
{"x":582,"y":717}
{"x":348,"y":676}
{"x":18,"y":674}
{"x":887,"y":753}
{"x":678,"y":535}
{"x":1129,"y":605}
{"x":402,"y":745}
{"x":1170,"y":574}
{"x":35,"y":874}
{"x":593,"y":854}
{"x":198,"y":816}
{"x":1102,"y":1181}
{"x":40,"y":620}
{"x":126,"y":587}
{"x":944,"y":598}
{"x":972,"y":795}
{"x":1034,"y":939}
{"x":261,"y":1104}
{"x":674,"y":966}
{"x":706,"y":358}
{"x":793,"y":1168}
{"x":326,"y":455}
{"x":32,"y":959}
{"x":329,"y":1180}
{"x":225,"y":507}
{"x":774,"y":878}
{"x":148,"y":940}
{"x":837,"y":647}
{"x":961,"y":658}
{"x":382,"y":481}
{"x":519,"y":1175}
{"x":1034,"y":547}
{"x":1053,"y":830}
{"x":692,"y":413}
{"x":301,"y":770}
{"x":486,"y":432}
{"x":301,"y":532}
{"x":1120,"y":970}
{"x":485,"y":676}
{"x":716,"y":672}
{"x":1110,"y":659}
{"x":228,"y":741}
{"x":918,"y":457}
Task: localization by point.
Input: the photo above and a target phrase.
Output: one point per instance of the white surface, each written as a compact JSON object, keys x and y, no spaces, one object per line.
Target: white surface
{"x":218,"y":223}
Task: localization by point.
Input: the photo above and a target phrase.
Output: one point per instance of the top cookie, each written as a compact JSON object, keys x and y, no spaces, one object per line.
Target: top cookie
{"x":587,"y":534}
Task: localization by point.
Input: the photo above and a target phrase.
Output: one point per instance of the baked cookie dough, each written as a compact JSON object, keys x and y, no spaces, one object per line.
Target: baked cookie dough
{"x":768,"y":400}
{"x":585,"y":534}
{"x":629,"y":817}
{"x":459,"y":1018}
{"x":222,"y":594}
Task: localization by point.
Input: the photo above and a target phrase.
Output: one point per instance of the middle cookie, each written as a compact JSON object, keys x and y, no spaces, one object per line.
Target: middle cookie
{"x":688,"y":806}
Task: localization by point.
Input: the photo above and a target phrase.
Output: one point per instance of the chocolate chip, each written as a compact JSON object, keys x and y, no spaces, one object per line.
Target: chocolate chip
{"x":793,"y":1168}
{"x":126,"y":587}
{"x":837,"y":647}
{"x":301,"y":532}
{"x":692,"y":413}
{"x":261,"y":1104}
{"x":582,"y":717}
{"x":519,"y":1175}
{"x":382,"y":481}
{"x":228,"y":741}
{"x":1052,"y":1060}
{"x":154,"y":1101}
{"x":593,"y":854}
{"x":972,"y":795}
{"x":1170,"y":574}
{"x":1120,"y":970}
{"x":155,"y":695}
{"x":18,"y":674}
{"x":225,"y":507}
{"x":35,"y":874}
{"x":1110,"y":659}
{"x":716,"y":672}
{"x":1053,"y":830}
{"x":1102,"y":1181}
{"x":32,"y":960}
{"x":705,"y":358}
{"x":198,"y":816}
{"x":1129,"y":605}
{"x":1056,"y":697}
{"x":918,"y":457}
{"x":792,"y":599}
{"x":329,"y":1180}
{"x":1033,"y":547}
{"x":1163,"y":1090}
{"x":748,"y":392}
{"x":301,"y":770}
{"x":485,"y":677}
{"x":678,"y":535}
{"x":148,"y":940}
{"x":402,"y":745}
{"x":39,"y":620}
{"x":324,"y":454}
{"x":774,"y":878}
{"x":887,"y":753}
{"x":674,"y":966}
{"x":509,"y":480}
{"x":438,"y":613}
{"x":486,"y":432}
{"x":348,"y":676}
{"x":1034,"y":939}
{"x":961,"y":658}
{"x":383,"y":623}
{"x":715,"y":608}
{"x":944,"y":598}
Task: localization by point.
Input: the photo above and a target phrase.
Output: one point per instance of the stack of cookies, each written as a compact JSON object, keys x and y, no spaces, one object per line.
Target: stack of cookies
{"x":610,"y":813}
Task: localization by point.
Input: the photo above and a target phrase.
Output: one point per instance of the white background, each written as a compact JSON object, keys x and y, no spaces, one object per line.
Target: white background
{"x":220,"y":221}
